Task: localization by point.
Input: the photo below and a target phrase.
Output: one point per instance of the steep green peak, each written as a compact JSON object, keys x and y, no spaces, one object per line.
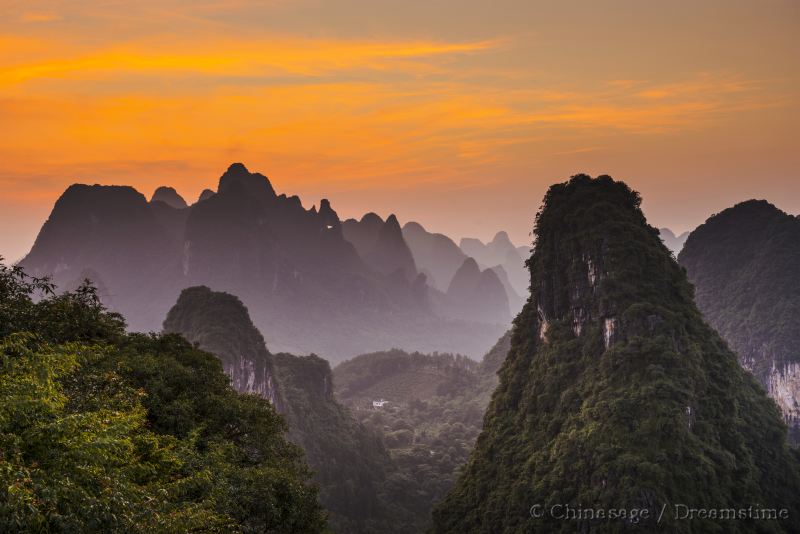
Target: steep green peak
{"x":596,"y":256}
{"x":220,"y":324}
{"x":615,"y":394}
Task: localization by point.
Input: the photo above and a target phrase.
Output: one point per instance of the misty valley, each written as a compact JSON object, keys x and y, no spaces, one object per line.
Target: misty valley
{"x":245,"y":363}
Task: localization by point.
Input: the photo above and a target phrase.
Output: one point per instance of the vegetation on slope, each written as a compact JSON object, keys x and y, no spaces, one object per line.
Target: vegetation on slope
{"x":616,"y":395}
{"x":744,"y":264}
{"x":102,"y":431}
{"x":433,"y":415}
{"x":349,"y":463}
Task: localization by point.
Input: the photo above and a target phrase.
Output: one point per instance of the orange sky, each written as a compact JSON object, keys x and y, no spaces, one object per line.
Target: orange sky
{"x":457,"y":114}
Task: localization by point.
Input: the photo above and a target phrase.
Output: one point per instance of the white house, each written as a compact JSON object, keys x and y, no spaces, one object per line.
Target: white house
{"x":379,"y":404}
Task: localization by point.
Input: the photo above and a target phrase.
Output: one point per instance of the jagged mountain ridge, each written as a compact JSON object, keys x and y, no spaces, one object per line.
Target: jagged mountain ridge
{"x":380,"y":243}
{"x":439,"y":258}
{"x":500,"y":251}
{"x":615,"y":392}
{"x":744,"y":265}
{"x":306,"y":286}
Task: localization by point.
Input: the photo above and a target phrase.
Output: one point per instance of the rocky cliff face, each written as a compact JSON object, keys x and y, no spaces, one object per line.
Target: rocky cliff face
{"x":743,"y":263}
{"x":349,"y":463}
{"x":219,"y":323}
{"x":615,"y":392}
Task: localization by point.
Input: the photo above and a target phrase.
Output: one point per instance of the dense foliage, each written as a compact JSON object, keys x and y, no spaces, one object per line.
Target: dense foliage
{"x":433,"y":415}
{"x":744,"y":264}
{"x":103,"y":431}
{"x":616,"y":395}
{"x":349,"y":463}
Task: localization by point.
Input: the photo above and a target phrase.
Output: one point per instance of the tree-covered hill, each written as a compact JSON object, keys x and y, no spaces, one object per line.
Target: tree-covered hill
{"x":402,"y":377}
{"x":433,"y":415}
{"x":103,"y":431}
{"x":745,"y":265}
{"x":616,"y":395}
{"x":349,"y":463}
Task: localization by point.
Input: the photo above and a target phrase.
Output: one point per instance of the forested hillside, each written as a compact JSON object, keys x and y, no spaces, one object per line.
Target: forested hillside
{"x":103,"y":431}
{"x":433,"y":414}
{"x":745,"y":265}
{"x":355,"y":474}
{"x":615,"y":394}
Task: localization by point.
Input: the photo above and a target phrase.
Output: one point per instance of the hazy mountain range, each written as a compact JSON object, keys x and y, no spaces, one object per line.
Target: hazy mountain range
{"x":311,"y":282}
{"x":609,"y":388}
{"x":673,"y":243}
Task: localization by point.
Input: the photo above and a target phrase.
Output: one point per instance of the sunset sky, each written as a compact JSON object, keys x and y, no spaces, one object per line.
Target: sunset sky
{"x":457,"y":114}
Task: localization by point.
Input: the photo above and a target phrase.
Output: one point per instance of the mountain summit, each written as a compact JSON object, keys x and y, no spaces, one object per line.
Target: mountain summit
{"x":615,"y":394}
{"x":306,"y":285}
{"x":168,"y":196}
{"x":744,"y":264}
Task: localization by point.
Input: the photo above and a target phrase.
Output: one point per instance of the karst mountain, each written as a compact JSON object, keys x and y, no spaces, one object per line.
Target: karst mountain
{"x":744,"y":263}
{"x":616,"y":394}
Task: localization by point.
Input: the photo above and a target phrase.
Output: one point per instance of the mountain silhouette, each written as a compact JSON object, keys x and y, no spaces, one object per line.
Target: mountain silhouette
{"x":673,"y":242}
{"x":500,"y":251}
{"x":168,"y":196}
{"x":476,"y":295}
{"x":381,"y":244}
{"x":435,"y":254}
{"x":307,"y":287}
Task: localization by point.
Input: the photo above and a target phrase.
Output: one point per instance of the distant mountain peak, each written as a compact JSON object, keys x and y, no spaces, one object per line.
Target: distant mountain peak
{"x":205,"y":195}
{"x":412,"y":226}
{"x":469,"y":266}
{"x":502,"y":237}
{"x":168,"y":196}
{"x":673,"y":242}
{"x":371,"y":218}
{"x":255,"y":183}
{"x":329,"y":217}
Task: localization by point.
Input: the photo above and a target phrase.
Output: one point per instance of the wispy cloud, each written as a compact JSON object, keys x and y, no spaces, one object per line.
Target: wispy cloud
{"x":306,"y":57}
{"x":39,"y":16}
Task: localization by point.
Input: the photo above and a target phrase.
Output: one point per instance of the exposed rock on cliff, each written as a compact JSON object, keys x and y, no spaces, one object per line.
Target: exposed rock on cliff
{"x":744,"y":265}
{"x":615,"y":394}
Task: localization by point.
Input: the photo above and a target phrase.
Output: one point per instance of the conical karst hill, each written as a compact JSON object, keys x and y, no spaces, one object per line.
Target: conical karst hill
{"x":616,"y":395}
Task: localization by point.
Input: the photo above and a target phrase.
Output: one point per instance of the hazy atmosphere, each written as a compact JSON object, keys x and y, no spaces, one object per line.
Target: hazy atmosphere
{"x":379,"y":267}
{"x":394,"y":107}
